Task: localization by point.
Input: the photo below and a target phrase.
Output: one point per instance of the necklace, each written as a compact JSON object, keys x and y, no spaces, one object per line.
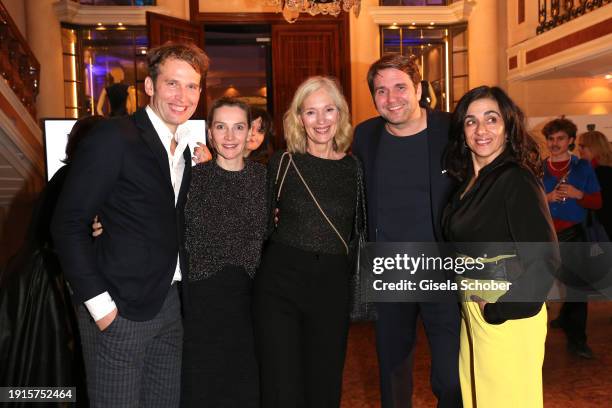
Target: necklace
{"x":550,"y":163}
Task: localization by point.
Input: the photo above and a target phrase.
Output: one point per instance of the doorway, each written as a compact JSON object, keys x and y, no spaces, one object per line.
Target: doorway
{"x":241,"y":63}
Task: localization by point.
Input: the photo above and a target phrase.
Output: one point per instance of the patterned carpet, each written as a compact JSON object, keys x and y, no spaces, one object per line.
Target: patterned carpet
{"x":569,"y":382}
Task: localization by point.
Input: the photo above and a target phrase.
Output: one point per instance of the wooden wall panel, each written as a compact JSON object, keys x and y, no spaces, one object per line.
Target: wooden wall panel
{"x":163,"y":28}
{"x":298,"y":53}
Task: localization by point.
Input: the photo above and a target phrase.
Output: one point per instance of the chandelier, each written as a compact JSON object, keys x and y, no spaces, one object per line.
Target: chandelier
{"x":292,"y":8}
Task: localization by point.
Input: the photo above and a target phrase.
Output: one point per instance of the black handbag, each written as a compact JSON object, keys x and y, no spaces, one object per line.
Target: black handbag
{"x":598,"y":257}
{"x":362,"y":309}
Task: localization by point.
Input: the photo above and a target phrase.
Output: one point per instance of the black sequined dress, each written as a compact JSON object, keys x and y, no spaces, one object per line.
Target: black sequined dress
{"x":225,"y":221}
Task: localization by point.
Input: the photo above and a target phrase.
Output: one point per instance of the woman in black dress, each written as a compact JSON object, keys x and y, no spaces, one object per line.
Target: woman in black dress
{"x":302,"y":288}
{"x":500,"y":200}
{"x":225,"y":221}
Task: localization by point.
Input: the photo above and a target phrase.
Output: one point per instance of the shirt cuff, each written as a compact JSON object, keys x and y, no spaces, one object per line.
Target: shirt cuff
{"x":101,"y":305}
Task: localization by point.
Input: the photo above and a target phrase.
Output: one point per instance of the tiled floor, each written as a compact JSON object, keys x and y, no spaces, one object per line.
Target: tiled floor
{"x":569,"y":382}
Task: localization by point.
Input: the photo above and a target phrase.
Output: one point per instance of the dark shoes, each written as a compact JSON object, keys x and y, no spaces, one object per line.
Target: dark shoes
{"x":580,"y":350}
{"x":556,"y":323}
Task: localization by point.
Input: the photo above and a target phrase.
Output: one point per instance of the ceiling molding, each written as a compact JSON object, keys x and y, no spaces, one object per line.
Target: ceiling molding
{"x":68,"y":11}
{"x":454,"y":13}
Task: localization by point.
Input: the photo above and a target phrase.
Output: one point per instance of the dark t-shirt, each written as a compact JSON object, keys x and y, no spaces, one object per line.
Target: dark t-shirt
{"x":404,"y":203}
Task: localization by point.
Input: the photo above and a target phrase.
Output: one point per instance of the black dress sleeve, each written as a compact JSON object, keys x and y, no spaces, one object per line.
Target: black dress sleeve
{"x":529,"y":221}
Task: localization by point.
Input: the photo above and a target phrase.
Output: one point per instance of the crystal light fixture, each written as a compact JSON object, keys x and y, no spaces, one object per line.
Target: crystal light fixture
{"x":292,"y":8}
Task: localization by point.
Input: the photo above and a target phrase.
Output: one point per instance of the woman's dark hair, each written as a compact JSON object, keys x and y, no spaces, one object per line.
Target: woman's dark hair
{"x":520,"y":145}
{"x":261,"y":154}
{"x":79,"y":130}
{"x":227,"y":101}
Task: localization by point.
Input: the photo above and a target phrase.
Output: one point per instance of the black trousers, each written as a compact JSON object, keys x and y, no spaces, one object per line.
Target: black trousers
{"x":395,"y":340}
{"x":301,"y":326}
{"x":574,"y":313}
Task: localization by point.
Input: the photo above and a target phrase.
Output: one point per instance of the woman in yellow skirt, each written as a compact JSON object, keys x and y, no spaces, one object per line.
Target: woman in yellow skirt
{"x":500,"y":200}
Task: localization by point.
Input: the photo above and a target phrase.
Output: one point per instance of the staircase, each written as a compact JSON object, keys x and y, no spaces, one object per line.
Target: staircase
{"x":21,"y":148}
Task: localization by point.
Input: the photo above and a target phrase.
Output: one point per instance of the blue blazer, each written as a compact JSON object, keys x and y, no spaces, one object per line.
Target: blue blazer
{"x":121,"y":173}
{"x":365,"y":147}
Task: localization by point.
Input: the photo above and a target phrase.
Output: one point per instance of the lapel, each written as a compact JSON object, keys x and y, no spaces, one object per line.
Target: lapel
{"x":151,"y":138}
{"x":372,"y":187}
{"x":186,"y":177}
{"x":437,"y":135}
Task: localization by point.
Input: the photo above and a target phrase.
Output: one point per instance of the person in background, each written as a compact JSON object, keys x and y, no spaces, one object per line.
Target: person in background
{"x":41,"y":345}
{"x":225,"y":224}
{"x":301,"y":297}
{"x":500,"y":200}
{"x":260,"y":143}
{"x":594,"y":147}
{"x":121,"y":96}
{"x":406,"y":190}
{"x":571,"y":190}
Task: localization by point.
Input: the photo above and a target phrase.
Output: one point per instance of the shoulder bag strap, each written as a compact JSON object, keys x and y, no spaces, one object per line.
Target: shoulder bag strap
{"x":361,"y":217}
{"x":280,"y":165}
{"x":331,"y":224}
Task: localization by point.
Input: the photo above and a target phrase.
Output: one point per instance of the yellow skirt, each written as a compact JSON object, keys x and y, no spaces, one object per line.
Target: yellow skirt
{"x":500,"y":365}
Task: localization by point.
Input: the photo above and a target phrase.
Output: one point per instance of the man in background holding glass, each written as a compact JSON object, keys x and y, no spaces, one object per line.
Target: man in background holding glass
{"x":571,"y":190}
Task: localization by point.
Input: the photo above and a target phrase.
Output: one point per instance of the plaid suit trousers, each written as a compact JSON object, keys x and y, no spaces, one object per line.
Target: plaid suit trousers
{"x":134,"y":364}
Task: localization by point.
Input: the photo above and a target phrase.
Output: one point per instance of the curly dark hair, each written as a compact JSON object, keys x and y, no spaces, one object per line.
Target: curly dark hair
{"x":457,"y":158}
{"x":560,"y":125}
{"x":267,"y":128}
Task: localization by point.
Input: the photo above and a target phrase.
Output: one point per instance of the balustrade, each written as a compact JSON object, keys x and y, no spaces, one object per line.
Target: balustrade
{"x":18,"y":66}
{"x":553,"y":13}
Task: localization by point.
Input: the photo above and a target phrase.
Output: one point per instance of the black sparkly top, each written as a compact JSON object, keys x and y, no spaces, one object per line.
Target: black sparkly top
{"x":225,"y":218}
{"x":301,"y":225}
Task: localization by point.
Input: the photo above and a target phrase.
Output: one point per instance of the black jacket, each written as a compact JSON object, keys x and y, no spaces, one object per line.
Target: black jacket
{"x":507,"y":204}
{"x":39,"y":341}
{"x":121,"y":173}
{"x":604,"y":214}
{"x":365,"y":147}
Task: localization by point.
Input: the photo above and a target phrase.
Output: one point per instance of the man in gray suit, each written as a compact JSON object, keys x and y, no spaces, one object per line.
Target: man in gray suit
{"x":134,"y":172}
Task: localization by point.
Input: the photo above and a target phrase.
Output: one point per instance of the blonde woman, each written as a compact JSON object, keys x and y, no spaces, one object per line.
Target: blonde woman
{"x":301,"y":291}
{"x":595,"y":147}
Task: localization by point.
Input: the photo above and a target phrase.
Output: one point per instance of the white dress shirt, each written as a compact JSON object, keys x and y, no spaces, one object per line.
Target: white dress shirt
{"x":102,"y":304}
